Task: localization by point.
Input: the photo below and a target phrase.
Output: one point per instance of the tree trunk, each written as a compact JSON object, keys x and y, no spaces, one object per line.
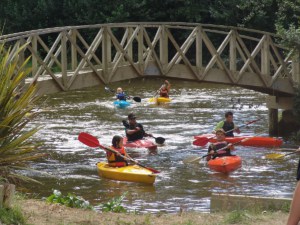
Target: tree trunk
{"x":9,"y":193}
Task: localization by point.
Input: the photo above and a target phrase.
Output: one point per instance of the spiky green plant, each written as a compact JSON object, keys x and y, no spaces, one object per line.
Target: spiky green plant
{"x":17,"y":101}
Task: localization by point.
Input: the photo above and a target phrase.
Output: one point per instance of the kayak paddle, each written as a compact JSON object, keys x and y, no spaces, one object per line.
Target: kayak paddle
{"x":93,"y":142}
{"x":279,"y":156}
{"x":136,"y":99}
{"x":204,"y":140}
{"x":159,"y":140}
{"x":190,"y":159}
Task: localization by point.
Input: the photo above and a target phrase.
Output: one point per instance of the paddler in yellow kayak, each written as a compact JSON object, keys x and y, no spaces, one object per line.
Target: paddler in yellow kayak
{"x":134,"y":131}
{"x":221,"y":143}
{"x":227,"y":125}
{"x":115,"y":160}
{"x":165,"y":89}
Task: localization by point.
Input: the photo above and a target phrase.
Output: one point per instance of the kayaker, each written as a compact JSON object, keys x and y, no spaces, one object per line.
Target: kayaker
{"x":115,"y":160}
{"x":134,"y":131}
{"x":165,"y":89}
{"x":221,"y":143}
{"x":294,"y":216}
{"x":121,"y":95}
{"x":228,"y":125}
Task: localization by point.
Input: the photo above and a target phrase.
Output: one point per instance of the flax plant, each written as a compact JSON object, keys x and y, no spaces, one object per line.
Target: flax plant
{"x":17,"y":103}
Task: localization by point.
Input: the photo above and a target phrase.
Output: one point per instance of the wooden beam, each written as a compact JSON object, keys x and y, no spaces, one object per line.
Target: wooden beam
{"x":64,"y":59}
{"x":74,"y":60}
{"x":163,"y":48}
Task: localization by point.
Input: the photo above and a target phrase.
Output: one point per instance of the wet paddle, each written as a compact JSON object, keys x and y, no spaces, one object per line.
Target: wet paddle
{"x":204,"y":140}
{"x":280,"y":156}
{"x":190,"y":159}
{"x":136,"y":99}
{"x":93,"y":142}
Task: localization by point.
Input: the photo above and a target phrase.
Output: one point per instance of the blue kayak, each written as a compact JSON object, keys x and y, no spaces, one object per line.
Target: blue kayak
{"x":121,"y":104}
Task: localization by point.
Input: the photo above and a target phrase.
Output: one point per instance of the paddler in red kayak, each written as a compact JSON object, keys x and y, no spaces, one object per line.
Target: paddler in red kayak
{"x":228,"y":125}
{"x":115,"y":160}
{"x":134,"y":131}
{"x":165,"y":89}
{"x":221,"y":143}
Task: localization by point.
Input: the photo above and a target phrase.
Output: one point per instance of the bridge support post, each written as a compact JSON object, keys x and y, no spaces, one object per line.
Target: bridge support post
{"x":34,"y":59}
{"x":64,"y":62}
{"x":273,"y":122}
{"x":199,"y":50}
{"x":163,"y":48}
{"x":296,"y":68}
{"x":74,"y":52}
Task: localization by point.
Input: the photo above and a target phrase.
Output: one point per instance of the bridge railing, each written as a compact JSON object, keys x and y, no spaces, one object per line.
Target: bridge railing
{"x":63,"y":53}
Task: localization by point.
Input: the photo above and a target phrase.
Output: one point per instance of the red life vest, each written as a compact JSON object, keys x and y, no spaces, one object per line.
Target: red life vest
{"x":115,"y":160}
{"x":164,"y":93}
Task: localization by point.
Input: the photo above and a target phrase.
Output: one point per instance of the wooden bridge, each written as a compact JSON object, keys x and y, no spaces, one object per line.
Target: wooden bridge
{"x":74,"y":57}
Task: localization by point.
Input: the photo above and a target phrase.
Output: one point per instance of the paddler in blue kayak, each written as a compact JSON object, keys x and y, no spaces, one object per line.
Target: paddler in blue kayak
{"x":221,"y":143}
{"x":134,"y":131}
{"x":115,"y":160}
{"x":227,"y":125}
{"x":121,"y":95}
{"x":165,"y":89}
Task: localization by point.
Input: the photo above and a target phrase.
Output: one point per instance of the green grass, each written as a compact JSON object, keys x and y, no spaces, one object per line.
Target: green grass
{"x":12,"y":216}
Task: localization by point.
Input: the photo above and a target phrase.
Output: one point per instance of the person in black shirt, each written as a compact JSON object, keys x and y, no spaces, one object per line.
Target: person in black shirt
{"x":294,"y":216}
{"x":134,"y":131}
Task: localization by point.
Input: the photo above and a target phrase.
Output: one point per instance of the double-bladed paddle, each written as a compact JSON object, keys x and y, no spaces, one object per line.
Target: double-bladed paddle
{"x":280,"y":156}
{"x":201,"y":141}
{"x":136,"y":99}
{"x":93,"y":142}
{"x":195,"y":158}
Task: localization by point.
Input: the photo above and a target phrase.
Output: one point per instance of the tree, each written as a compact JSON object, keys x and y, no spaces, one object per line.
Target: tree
{"x":17,"y":102}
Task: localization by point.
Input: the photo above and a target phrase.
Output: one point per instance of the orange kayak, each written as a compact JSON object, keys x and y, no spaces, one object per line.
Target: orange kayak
{"x":225,"y":164}
{"x":269,"y":142}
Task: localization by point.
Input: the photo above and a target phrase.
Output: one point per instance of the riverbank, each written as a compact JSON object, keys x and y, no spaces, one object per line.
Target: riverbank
{"x":38,"y":212}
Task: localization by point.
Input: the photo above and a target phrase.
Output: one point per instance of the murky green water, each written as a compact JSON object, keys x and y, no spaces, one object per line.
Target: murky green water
{"x":195,"y":109}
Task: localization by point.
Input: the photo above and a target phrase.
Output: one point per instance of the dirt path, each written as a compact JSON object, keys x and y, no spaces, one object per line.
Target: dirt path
{"x":41,"y":213}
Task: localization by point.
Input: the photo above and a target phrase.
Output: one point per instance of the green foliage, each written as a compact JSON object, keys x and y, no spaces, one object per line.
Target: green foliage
{"x":237,"y":217}
{"x":11,"y":216}
{"x":17,"y":103}
{"x":70,"y":200}
{"x":114,"y":205}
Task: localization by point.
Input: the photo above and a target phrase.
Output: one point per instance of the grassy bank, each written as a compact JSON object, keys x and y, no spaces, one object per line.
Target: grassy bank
{"x":41,"y":213}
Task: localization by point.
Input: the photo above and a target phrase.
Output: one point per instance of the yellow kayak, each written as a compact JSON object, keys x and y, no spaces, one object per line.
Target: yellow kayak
{"x":132,"y":173}
{"x":159,"y":100}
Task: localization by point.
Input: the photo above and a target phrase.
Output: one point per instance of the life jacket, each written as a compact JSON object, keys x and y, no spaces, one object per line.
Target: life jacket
{"x":216,"y":146}
{"x":121,"y":96}
{"x":228,"y":126}
{"x":137,"y":135}
{"x":115,"y":160}
{"x":164,"y":93}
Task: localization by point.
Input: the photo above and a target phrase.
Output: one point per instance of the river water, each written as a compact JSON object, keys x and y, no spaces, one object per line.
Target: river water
{"x":195,"y":109}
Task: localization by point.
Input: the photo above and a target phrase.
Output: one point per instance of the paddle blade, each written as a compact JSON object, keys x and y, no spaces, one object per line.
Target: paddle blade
{"x":137,"y":99}
{"x":274,"y":156}
{"x":152,"y":170}
{"x":88,"y":140}
{"x":108,"y":89}
{"x":201,"y":141}
{"x":191,"y":159}
{"x":160,"y":140}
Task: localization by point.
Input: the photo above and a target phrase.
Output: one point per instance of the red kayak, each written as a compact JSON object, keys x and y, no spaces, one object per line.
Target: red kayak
{"x":143,"y":143}
{"x":254,"y":141}
{"x":225,"y":164}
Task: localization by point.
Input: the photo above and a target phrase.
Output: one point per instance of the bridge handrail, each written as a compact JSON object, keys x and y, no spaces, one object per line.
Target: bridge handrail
{"x":179,"y":25}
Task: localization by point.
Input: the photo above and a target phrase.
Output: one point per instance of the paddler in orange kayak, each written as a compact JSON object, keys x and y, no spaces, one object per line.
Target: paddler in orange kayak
{"x":115,"y":160}
{"x":221,"y":143}
{"x":165,"y":89}
{"x":228,"y":125}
